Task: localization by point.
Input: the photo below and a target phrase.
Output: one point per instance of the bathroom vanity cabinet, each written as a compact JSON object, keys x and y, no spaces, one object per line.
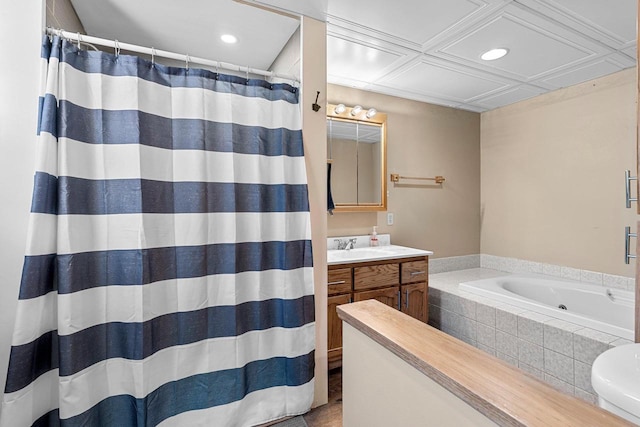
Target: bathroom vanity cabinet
{"x":399,"y":283}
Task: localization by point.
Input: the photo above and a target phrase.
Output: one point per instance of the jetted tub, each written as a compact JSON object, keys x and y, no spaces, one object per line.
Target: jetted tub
{"x":605,"y":309}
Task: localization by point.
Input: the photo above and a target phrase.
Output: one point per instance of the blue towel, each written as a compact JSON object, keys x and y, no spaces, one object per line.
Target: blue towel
{"x":330,"y":205}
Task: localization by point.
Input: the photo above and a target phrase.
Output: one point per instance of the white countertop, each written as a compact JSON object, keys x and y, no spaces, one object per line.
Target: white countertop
{"x":376,"y":253}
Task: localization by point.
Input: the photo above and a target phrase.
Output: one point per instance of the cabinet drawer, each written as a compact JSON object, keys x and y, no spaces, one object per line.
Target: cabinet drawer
{"x":375,"y":276}
{"x":415,"y":271}
{"x":339,"y":281}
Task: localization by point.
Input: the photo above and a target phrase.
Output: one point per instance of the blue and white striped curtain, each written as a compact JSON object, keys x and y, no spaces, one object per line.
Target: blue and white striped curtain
{"x":168,"y":276}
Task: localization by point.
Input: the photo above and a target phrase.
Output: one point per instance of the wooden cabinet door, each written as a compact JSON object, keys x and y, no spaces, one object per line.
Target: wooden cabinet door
{"x":334,"y":326}
{"x":414,"y":301}
{"x":387,"y":296}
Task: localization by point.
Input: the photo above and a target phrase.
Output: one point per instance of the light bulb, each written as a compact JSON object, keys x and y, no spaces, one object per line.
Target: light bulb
{"x":356,"y":110}
{"x":371,"y":112}
{"x":340,"y":109}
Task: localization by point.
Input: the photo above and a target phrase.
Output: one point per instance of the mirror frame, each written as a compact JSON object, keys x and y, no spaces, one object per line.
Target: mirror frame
{"x":379,"y":119}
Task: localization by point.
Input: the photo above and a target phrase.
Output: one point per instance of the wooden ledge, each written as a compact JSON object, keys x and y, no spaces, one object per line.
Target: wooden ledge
{"x":503,"y":393}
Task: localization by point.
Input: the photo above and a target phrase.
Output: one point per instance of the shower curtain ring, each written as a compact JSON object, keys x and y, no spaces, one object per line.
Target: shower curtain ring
{"x":59,"y":32}
{"x":153,"y":57}
{"x":247,"y":74}
{"x":187,"y":59}
{"x":79,"y":38}
{"x":117,"y":47}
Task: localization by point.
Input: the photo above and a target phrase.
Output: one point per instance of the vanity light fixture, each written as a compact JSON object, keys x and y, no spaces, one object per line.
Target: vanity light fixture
{"x":228,"y":38}
{"x":493,"y":54}
{"x":356,"y":110}
{"x":340,"y":108}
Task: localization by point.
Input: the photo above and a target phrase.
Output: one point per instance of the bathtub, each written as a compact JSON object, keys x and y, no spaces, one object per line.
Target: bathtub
{"x":592,"y":306}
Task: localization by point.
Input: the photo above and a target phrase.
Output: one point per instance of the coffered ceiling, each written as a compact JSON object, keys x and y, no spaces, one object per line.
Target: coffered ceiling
{"x":430,"y":50}
{"x":427,"y":50}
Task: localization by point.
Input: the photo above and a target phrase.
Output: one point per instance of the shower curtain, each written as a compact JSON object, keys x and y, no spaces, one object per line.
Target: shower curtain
{"x":168,"y":276}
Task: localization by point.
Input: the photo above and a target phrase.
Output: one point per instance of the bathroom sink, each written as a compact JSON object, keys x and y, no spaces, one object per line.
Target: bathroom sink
{"x":360,"y":253}
{"x":615,"y":376}
{"x":372,"y":254}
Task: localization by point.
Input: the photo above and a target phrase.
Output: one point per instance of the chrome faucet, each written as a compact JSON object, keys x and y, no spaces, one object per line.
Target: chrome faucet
{"x":350,"y":244}
{"x":345,"y":245}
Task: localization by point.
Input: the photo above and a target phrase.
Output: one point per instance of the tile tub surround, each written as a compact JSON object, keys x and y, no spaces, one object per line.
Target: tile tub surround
{"x":515,"y":265}
{"x":464,"y":262}
{"x":557,"y":352}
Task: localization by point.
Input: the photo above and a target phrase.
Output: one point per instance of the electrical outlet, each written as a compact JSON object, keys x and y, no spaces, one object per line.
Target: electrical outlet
{"x":389,"y":218}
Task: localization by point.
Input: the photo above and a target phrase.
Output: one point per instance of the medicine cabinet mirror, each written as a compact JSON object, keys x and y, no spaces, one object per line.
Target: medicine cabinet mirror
{"x":357,"y":154}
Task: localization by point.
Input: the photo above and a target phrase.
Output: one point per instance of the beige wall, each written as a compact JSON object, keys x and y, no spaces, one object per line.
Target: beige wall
{"x":305,"y":55}
{"x":62,"y":15}
{"x":314,"y":131}
{"x":553,"y":175}
{"x":424,"y":140}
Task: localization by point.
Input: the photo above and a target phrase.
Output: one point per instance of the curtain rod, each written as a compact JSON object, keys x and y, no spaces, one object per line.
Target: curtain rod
{"x":165,"y":54}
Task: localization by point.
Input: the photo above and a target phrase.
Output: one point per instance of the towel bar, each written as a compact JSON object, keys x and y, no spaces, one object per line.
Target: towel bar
{"x":627,"y":244}
{"x":396,"y":178}
{"x":628,"y":178}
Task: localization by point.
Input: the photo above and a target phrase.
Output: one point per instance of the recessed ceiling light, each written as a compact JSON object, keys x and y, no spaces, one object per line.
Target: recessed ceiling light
{"x":492,"y":54}
{"x":228,"y":38}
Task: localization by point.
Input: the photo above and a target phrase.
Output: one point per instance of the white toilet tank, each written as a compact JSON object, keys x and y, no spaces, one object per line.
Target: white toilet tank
{"x":615,"y":376}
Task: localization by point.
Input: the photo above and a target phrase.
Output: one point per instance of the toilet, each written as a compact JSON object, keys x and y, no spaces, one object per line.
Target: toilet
{"x":615,"y":376}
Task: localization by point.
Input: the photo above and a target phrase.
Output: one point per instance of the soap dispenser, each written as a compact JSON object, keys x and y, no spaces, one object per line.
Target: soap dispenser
{"x":373,"y":240}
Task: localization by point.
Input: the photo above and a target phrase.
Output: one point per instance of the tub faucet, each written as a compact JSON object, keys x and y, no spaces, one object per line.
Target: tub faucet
{"x":610,"y":294}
